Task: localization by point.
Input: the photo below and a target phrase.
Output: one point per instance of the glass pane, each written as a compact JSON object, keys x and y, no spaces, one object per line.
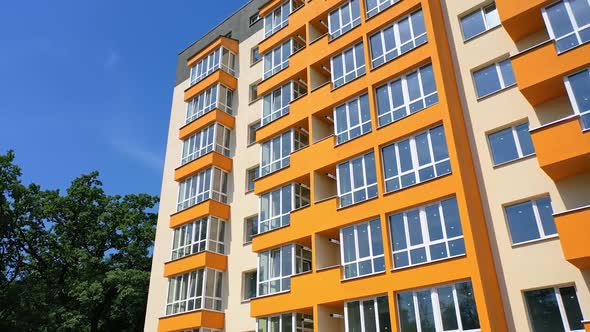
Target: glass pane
{"x":434,"y":225}
{"x":487,"y":81}
{"x":467,"y":308}
{"x":524,"y":138}
{"x":287,"y":261}
{"x":369,"y":316}
{"x":572,"y":308}
{"x":581,"y":10}
{"x":507,"y":73}
{"x":503,"y":146}
{"x":451,"y":216}
{"x":376,"y":240}
{"x":472,"y":24}
{"x":353,"y":317}
{"x":414,"y":227}
{"x":383,"y":313}
{"x":370,"y":168}
{"x":546,"y":214}
{"x":559,"y":19}
{"x":344,"y":178}
{"x":428,"y":83}
{"x":425,"y":311}
{"x":423,"y":148}
{"x":389,"y":161}
{"x":543,"y":310}
{"x":580,"y":84}
{"x":521,"y":221}
{"x":398,"y":231}
{"x":447,"y":308}
{"x":407,"y":315}
{"x":348,"y":244}
{"x":491,"y":14}
{"x":439,"y":143}
{"x":363,"y":240}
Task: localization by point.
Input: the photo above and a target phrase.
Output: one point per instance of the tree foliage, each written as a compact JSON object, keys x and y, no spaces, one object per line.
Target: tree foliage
{"x":77,"y":261}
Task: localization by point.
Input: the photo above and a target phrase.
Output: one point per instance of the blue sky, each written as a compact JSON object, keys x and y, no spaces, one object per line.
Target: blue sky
{"x":87,"y":85}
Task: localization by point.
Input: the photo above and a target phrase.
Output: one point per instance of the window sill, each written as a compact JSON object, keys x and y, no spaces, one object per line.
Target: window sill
{"x":493,"y":93}
{"x":481,"y":34}
{"x":535,"y":241}
{"x":395,"y":269}
{"x":513,"y":161}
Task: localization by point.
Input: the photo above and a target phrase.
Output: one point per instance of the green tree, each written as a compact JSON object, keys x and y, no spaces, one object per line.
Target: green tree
{"x":78,"y":261}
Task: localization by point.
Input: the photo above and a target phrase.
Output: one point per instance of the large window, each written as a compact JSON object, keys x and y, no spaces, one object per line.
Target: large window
{"x":357,"y":180}
{"x":278,"y":58}
{"x":361,"y":249}
{"x":352,"y":119}
{"x":568,"y":23}
{"x":374,"y":7}
{"x":220,"y":58}
{"x":276,"y":205}
{"x":213,"y":138}
{"x":511,"y":144}
{"x":276,"y":266}
{"x":289,"y":322}
{"x":276,"y":103}
{"x":428,"y":233}
{"x":195,"y":290}
{"x":480,"y":21}
{"x":275,"y":152}
{"x":279,"y":17}
{"x":348,"y":65}
{"x":398,"y":38}
{"x":578,"y":89}
{"x":367,"y":315}
{"x":494,"y":78}
{"x":416,"y":159}
{"x":531,"y":220}
{"x":554,"y":309}
{"x":444,"y":308}
{"x":208,"y":184}
{"x":405,"y":95}
{"x":344,"y":18}
{"x":206,"y":233}
{"x":216,"y":96}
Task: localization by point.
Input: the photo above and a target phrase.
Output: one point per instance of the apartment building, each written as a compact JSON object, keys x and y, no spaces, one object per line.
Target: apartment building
{"x":379,"y":165}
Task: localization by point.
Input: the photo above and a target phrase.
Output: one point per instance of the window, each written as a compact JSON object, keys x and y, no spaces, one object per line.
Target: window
{"x":554,"y":309}
{"x":425,"y":234}
{"x":220,"y":58}
{"x":276,"y":266}
{"x":578,"y":89}
{"x":276,"y":205}
{"x":444,"y":308}
{"x":511,"y":144}
{"x":416,"y":159}
{"x":531,"y":220}
{"x":367,"y":315}
{"x":348,"y":65}
{"x":279,"y":17}
{"x":254,"y":18}
{"x":357,"y":180}
{"x":213,"y":138}
{"x":278,"y":58}
{"x":206,"y":233}
{"x":250,"y":228}
{"x":275,"y":153}
{"x":568,"y":23}
{"x":374,"y":7}
{"x":195,"y":290}
{"x":249,"y":285}
{"x":252,"y":132}
{"x":397,"y":39}
{"x":255,"y":56}
{"x":290,"y":322}
{"x":208,"y":184}
{"x":254,"y":92}
{"x":344,"y":18}
{"x":494,"y":78}
{"x":361,"y":249}
{"x":352,"y":119}
{"x":480,"y":21}
{"x":406,"y":95}
{"x":276,"y":103}
{"x":216,"y":96}
{"x":251,"y":175}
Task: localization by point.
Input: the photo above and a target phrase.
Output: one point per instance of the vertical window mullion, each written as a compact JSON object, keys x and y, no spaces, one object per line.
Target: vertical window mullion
{"x":538,"y":218}
{"x":501,"y":78}
{"x":457,"y":309}
{"x":417,"y":310}
{"x":425,"y":233}
{"x":414,"y":154}
{"x":561,"y":307}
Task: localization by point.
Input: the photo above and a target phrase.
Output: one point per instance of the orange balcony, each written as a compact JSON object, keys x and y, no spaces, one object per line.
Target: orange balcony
{"x":208,"y":207}
{"x":212,"y":158}
{"x":196,"y":261}
{"x":230,"y":44}
{"x":563,"y":149}
{"x":215,"y":115}
{"x":540,"y":70}
{"x":521,"y":18}
{"x":218,"y":76}
{"x":574,"y":230}
{"x":194,"y":319}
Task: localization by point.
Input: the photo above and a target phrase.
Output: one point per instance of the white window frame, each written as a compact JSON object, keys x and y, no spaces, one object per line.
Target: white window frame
{"x":364,"y":126}
{"x":413,"y":41}
{"x":275,"y":101}
{"x":269,"y":58}
{"x":191,"y":239}
{"x":407,"y":102}
{"x":372,"y":256}
{"x":366,"y":186}
{"x":201,"y":187}
{"x":298,"y":321}
{"x":352,"y":21}
{"x":297,"y":199}
{"x":516,"y":142}
{"x":208,"y":100}
{"x":205,"y":141}
{"x":381,"y":6}
{"x":482,"y":12}
{"x":358,"y":71}
{"x":572,"y":19}
{"x":278,"y":18}
{"x":573,"y":99}
{"x":254,"y":220}
{"x":212,"y":62}
{"x":295,"y":261}
{"x":416,"y":167}
{"x":503,"y":84}
{"x":436,"y":311}
{"x":207,"y":273}
{"x":538,"y":222}
{"x":362,"y":312}
{"x":426,"y":242}
{"x":562,"y":312}
{"x":296,"y":140}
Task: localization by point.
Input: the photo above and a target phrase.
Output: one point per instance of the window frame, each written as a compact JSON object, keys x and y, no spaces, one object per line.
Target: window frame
{"x":212,"y":62}
{"x":296,"y":140}
{"x":253,"y":58}
{"x":538,"y":221}
{"x":572,"y":20}
{"x":217,"y":288}
{"x":254,"y":125}
{"x":292,"y":248}
{"x":381,"y":6}
{"x":559,"y":299}
{"x":292,"y":46}
{"x":251,"y":179}
{"x":193,"y":195}
{"x":500,"y":76}
{"x":254,"y":220}
{"x":358,"y":71}
{"x":211,"y":96}
{"x":353,"y":22}
{"x":295,"y":90}
{"x":574,"y":99}
{"x":196,"y":238}
{"x":364,"y":126}
{"x":482,"y":11}
{"x":203,"y":136}
{"x":362,"y":312}
{"x":371,"y":258}
{"x":514,"y":130}
{"x":297,"y":201}
{"x":365,"y":187}
{"x":245,"y":285}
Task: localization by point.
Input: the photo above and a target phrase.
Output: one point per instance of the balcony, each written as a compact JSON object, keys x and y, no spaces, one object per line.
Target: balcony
{"x":521,"y":18}
{"x":540,"y":70}
{"x":563,"y":148}
{"x":194,"y":319}
{"x":197,"y":261}
{"x":208,"y":207}
{"x":210,"y":159}
{"x":211,"y":117}
{"x":574,"y":230}
{"x":218,"y":76}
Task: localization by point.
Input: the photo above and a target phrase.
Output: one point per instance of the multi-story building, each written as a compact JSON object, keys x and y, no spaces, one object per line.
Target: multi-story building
{"x":379,"y":165}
